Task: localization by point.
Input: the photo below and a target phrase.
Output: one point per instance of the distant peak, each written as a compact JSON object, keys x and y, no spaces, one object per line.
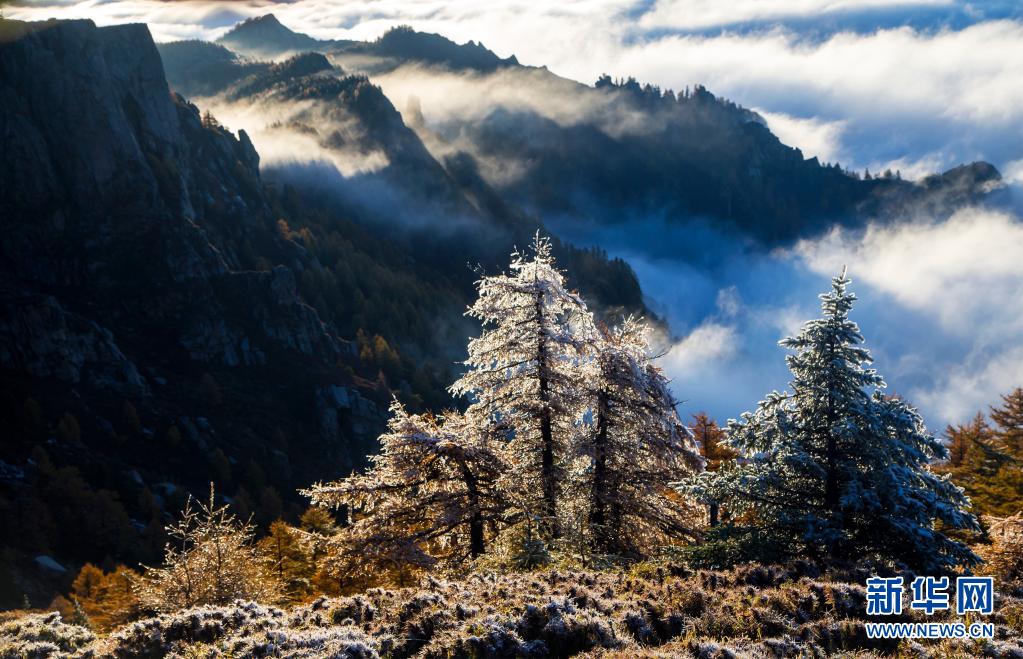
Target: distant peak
{"x":266,"y":19}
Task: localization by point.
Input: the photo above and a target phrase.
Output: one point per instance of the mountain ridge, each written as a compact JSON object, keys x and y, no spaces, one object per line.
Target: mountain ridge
{"x":693,"y":154}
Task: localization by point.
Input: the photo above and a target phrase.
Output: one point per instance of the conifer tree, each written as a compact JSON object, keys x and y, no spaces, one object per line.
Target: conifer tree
{"x":710,"y":437}
{"x":1008,"y":420}
{"x":969,"y":444}
{"x":836,"y":468}
{"x":107,"y":599}
{"x":429,"y":495}
{"x":523,"y":370}
{"x":638,"y":446}
{"x":289,"y":554}
{"x":209,"y":559}
{"x":980,"y":461}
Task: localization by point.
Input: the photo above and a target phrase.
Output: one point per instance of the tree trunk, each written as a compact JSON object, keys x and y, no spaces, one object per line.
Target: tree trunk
{"x":548,"y":477}
{"x":600,"y":539}
{"x":477,"y":544}
{"x":831,"y":494}
{"x":713,"y":509}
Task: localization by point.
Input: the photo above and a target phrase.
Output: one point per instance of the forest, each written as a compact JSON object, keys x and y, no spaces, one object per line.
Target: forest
{"x":569,"y":485}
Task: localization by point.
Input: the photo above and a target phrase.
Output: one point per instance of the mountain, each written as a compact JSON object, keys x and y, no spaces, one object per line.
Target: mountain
{"x":203,"y":68}
{"x":620,"y":151}
{"x":265,"y":36}
{"x":350,"y":147}
{"x":171,"y":316}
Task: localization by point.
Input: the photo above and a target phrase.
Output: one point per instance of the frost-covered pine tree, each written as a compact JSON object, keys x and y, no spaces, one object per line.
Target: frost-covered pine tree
{"x":836,"y":468}
{"x":210,"y":559}
{"x":523,"y":369}
{"x":429,"y":495}
{"x":637,"y":447}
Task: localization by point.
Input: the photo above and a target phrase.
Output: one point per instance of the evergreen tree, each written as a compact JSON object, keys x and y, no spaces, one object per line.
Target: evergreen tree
{"x":1008,"y":420}
{"x":637,"y":447}
{"x":209,"y":560}
{"x":710,"y":437}
{"x":289,"y":555}
{"x":523,"y":370}
{"x":981,"y":462}
{"x":969,"y":444}
{"x":429,"y":495}
{"x":836,"y":468}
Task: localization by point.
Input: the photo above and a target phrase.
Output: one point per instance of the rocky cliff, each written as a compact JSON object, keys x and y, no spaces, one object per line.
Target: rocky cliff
{"x":145,"y":285}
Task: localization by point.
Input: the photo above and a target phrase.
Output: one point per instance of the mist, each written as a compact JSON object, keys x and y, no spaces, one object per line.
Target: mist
{"x":938,"y":305}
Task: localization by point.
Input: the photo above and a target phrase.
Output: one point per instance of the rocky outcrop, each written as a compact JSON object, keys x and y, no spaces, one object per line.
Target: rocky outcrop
{"x":40,"y":338}
{"x":146,"y":290}
{"x":118,"y":193}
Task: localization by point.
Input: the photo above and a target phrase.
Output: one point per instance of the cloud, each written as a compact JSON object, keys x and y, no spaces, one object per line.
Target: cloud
{"x":962,"y":279}
{"x":700,"y":14}
{"x":959,"y":270}
{"x":938,"y":305}
{"x":292,"y":133}
{"x":915,"y":86}
{"x":814,"y":136}
{"x":708,"y":343}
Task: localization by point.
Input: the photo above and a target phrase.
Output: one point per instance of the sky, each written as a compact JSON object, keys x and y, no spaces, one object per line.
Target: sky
{"x":914,"y":85}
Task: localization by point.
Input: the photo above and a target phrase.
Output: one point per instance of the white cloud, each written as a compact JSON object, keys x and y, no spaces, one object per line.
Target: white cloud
{"x":964,"y":280}
{"x":700,"y":14}
{"x":972,"y":385}
{"x":709,"y":343}
{"x":966,"y":271}
{"x":814,"y":136}
{"x":1013,"y":172}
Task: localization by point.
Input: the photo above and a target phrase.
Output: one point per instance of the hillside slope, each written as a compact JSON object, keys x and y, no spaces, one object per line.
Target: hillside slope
{"x":169,"y":318}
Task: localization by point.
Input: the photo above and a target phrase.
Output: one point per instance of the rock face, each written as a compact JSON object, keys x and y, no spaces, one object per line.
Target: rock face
{"x":140,"y":261}
{"x":116,"y":192}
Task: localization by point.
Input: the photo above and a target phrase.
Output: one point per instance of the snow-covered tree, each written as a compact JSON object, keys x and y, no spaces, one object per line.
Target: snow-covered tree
{"x":637,"y":447}
{"x":524,"y":370}
{"x":209,"y":559}
{"x":836,"y":468}
{"x":429,"y":495}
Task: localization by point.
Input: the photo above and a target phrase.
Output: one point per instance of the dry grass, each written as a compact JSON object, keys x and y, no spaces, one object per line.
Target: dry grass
{"x":647,"y":612}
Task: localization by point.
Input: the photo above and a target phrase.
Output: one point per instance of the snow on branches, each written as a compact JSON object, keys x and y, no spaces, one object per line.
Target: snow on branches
{"x":636,"y":448}
{"x":429,"y":494}
{"x":525,"y":369}
{"x":209,"y":559}
{"x":836,"y":468}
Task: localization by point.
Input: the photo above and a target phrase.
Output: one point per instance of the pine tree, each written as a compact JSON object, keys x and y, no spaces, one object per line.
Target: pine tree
{"x":289,"y":554}
{"x":1008,"y":420}
{"x":710,"y":437}
{"x":209,"y":560}
{"x":523,"y":371}
{"x":980,"y":462}
{"x":836,"y":468}
{"x":638,"y":446}
{"x":429,"y":495}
